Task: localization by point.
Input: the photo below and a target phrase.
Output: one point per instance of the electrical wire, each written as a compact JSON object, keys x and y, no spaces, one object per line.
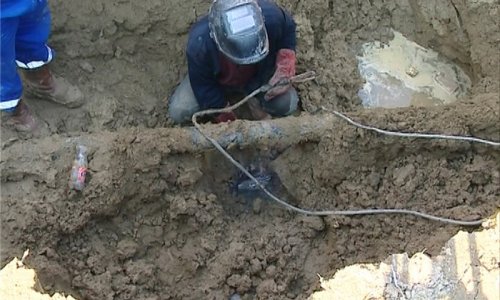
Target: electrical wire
{"x":339,"y":212}
{"x":414,"y":134}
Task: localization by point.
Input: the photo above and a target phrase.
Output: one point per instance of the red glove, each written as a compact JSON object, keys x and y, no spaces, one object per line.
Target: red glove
{"x":285,"y":69}
{"x":225,"y":117}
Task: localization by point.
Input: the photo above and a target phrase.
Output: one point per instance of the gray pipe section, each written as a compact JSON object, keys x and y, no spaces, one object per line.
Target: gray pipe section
{"x":478,"y":117}
{"x":57,"y":152}
{"x":276,"y":133}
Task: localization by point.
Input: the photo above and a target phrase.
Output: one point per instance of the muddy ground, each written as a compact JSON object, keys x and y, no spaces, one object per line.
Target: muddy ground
{"x":156,"y":222}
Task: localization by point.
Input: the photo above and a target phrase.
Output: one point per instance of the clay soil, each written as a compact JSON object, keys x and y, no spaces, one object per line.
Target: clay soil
{"x":158,"y":223}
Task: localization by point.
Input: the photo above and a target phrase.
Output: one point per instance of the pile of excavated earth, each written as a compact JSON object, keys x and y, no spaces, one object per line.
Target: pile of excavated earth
{"x":158,"y":218}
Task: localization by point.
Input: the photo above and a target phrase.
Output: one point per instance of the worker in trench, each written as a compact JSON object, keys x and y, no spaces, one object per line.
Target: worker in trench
{"x":25,"y":28}
{"x":240,"y":46}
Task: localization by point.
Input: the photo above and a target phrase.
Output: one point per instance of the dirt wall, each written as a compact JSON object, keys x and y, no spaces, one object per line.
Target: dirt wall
{"x":154,"y":224}
{"x":153,"y":209}
{"x":128,"y":57}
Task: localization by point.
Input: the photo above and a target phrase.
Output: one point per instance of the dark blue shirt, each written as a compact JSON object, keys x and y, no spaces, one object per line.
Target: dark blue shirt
{"x":204,"y":60}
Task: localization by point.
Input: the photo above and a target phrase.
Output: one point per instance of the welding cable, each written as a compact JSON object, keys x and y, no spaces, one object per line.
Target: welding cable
{"x":335,"y":212}
{"x":414,"y":134}
{"x":340,"y":212}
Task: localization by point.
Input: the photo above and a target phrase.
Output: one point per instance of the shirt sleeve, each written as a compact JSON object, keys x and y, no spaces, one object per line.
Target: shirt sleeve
{"x":206,"y":89}
{"x":288,"y":38}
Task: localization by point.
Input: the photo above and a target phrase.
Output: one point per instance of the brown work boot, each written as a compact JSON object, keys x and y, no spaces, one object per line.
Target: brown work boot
{"x":21,"y":119}
{"x":42,"y":83}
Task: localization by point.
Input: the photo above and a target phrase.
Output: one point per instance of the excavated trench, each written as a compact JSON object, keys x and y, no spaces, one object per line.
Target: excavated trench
{"x":158,"y":218}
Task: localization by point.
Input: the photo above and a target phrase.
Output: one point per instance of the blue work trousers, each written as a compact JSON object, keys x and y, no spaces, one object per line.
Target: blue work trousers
{"x":23,"y":45}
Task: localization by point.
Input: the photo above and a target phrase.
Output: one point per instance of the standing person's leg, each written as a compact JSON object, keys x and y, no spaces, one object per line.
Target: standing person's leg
{"x":33,"y":54}
{"x":33,"y":32}
{"x":183,"y":104}
{"x":12,"y":88}
{"x":11,"y":105}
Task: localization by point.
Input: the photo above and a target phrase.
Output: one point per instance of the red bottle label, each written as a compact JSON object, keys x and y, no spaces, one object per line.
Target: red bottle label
{"x":82,"y":171}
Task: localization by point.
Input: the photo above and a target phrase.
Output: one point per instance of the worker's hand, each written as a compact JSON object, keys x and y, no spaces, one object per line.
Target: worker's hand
{"x":285,"y":69}
{"x":225,"y":117}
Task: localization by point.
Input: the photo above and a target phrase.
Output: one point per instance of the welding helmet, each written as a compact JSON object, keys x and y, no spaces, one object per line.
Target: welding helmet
{"x":237,"y":27}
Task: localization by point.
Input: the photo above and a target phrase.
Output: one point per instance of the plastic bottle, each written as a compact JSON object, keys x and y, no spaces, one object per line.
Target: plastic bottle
{"x":79,"y":169}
